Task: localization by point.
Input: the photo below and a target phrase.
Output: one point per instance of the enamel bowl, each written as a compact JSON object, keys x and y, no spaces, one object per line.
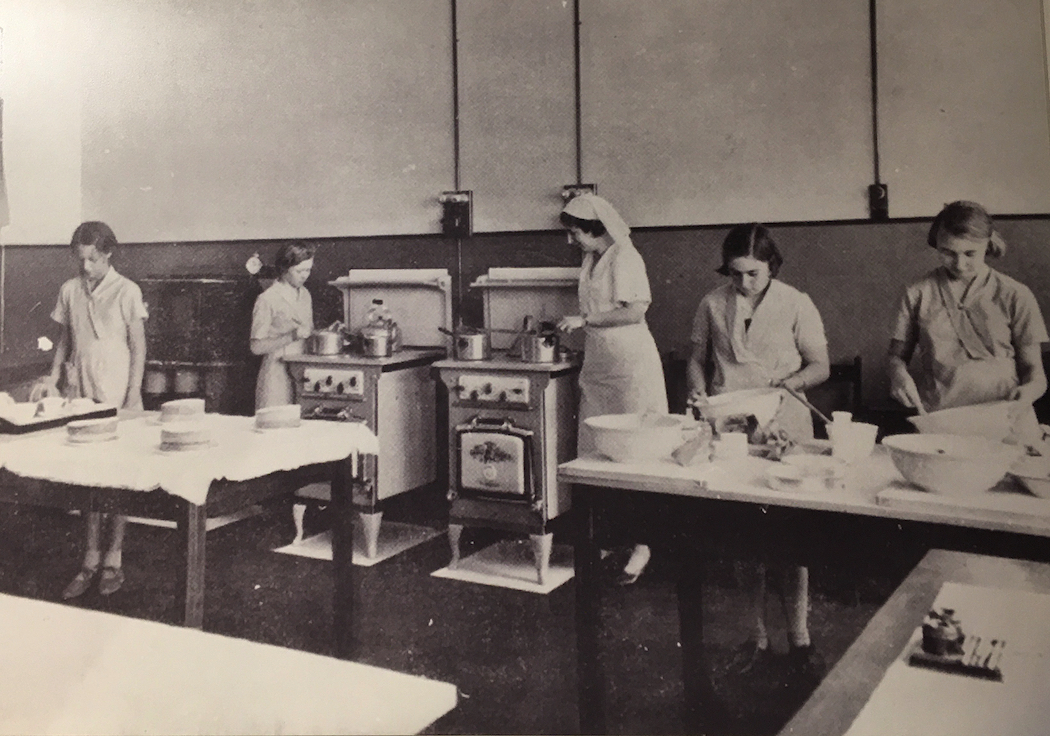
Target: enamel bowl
{"x":761,"y":403}
{"x":951,"y":464}
{"x":994,"y":420}
{"x":631,"y":438}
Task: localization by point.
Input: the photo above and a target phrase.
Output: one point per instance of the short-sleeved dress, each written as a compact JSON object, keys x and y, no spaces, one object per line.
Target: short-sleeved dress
{"x":278,"y":311}
{"x":757,"y":351}
{"x":99,"y":362}
{"x":966,"y":347}
{"x":621,"y":371}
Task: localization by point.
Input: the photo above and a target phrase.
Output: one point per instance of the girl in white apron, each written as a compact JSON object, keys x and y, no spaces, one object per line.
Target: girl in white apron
{"x":756,"y":332}
{"x":102,"y":351}
{"x":972,"y":334}
{"x":282,"y":319}
{"x":621,"y":373}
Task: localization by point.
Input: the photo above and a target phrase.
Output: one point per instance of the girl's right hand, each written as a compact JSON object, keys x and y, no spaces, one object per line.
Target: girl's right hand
{"x":904,"y":390}
{"x":46,"y":386}
{"x":301,"y":331}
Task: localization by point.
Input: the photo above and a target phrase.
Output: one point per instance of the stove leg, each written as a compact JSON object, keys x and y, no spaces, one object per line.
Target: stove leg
{"x":454,"y":532}
{"x":370,"y":528}
{"x":298,"y":514}
{"x":541,"y":553}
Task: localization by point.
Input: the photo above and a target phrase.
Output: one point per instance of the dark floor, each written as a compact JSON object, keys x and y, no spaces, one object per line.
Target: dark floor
{"x":510,"y":653}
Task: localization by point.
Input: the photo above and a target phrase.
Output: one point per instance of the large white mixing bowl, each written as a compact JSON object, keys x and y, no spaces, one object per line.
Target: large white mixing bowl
{"x":949,"y":464}
{"x":632,"y":438}
{"x":761,"y":403}
{"x":993,"y":420}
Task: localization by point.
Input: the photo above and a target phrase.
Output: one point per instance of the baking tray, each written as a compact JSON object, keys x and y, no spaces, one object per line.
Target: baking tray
{"x":8,"y":426}
{"x":985,"y":665}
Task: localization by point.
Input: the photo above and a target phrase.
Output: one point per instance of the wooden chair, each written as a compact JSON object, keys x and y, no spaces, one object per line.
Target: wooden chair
{"x":841,"y":392}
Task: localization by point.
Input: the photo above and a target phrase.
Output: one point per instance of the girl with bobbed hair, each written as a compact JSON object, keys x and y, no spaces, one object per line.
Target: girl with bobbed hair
{"x":975,"y":334}
{"x":754,"y":332}
{"x":101,"y":353}
{"x":282,"y":319}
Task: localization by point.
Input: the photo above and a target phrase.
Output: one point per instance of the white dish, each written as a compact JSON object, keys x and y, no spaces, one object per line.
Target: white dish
{"x":265,"y":430}
{"x":166,"y":448}
{"x":91,"y":439}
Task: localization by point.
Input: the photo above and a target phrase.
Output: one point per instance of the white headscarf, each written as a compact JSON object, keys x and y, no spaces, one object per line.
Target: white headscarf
{"x":589,"y":206}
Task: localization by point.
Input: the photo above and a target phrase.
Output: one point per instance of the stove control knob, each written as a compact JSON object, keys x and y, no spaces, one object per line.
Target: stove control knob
{"x":503,"y":396}
{"x":328,"y":380}
{"x":339,"y":388}
{"x":353,"y":381}
{"x":317,"y":387}
{"x":487,"y":388}
{"x":474,"y":395}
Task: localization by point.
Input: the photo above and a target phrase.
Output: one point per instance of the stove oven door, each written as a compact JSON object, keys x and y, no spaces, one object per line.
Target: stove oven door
{"x":495,"y":460}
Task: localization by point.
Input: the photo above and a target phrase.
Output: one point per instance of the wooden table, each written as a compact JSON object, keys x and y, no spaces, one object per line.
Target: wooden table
{"x":840,"y":697}
{"x":223,"y":497}
{"x":72,"y":670}
{"x":705,"y":499}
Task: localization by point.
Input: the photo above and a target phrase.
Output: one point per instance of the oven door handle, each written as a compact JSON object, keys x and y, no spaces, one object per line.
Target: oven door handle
{"x":502,"y":425}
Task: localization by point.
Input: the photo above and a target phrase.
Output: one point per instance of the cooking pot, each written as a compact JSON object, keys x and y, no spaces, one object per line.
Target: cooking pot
{"x":328,"y":341}
{"x":376,"y":342}
{"x":472,"y":345}
{"x":539,"y":347}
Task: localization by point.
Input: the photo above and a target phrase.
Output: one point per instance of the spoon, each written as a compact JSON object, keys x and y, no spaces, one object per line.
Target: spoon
{"x":802,"y":398}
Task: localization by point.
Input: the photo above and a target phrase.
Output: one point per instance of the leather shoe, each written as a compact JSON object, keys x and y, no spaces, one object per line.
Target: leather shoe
{"x":111,"y":580}
{"x":750,"y":656}
{"x":79,"y":585}
{"x":806,"y":664}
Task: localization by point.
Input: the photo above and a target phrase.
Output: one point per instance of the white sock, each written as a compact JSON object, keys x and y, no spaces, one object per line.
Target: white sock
{"x":639,"y":559}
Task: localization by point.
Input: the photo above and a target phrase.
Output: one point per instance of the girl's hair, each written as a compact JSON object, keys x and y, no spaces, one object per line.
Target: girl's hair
{"x":95,"y":233}
{"x":752,"y":240}
{"x":292,"y":254}
{"x":595,"y":228}
{"x":968,"y":220}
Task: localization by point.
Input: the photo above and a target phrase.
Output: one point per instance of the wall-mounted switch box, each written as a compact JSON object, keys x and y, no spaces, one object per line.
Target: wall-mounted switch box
{"x":574,"y":190}
{"x":457,"y":213}
{"x":879,"y":201}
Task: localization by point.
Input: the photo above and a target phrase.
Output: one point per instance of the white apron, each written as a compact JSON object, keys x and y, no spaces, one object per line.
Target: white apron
{"x":621,"y":373}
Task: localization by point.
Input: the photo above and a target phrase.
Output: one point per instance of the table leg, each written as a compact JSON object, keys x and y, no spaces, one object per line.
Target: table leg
{"x":189,"y":592}
{"x":586,"y":560}
{"x":342,"y":514}
{"x":703,"y":711}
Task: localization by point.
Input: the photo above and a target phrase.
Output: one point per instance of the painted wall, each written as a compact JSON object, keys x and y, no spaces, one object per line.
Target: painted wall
{"x":853,"y":272}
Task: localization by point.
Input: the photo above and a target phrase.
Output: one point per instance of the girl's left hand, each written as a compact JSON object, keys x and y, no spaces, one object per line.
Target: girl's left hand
{"x":571,"y":322}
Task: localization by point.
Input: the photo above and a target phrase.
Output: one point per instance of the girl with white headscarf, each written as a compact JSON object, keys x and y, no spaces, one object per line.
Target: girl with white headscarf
{"x":621,"y":373}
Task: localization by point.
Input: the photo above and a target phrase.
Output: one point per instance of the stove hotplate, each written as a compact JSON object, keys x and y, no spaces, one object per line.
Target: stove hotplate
{"x":504,"y":361}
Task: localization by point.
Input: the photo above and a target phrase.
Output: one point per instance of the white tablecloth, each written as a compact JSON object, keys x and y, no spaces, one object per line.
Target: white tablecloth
{"x":913,"y":701}
{"x":135,"y":461}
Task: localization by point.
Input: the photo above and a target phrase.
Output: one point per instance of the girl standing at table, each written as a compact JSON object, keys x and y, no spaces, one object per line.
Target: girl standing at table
{"x":621,"y":373}
{"x":753,"y":332}
{"x":102,"y":352}
{"x":282,"y":319}
{"x":976,"y":334}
